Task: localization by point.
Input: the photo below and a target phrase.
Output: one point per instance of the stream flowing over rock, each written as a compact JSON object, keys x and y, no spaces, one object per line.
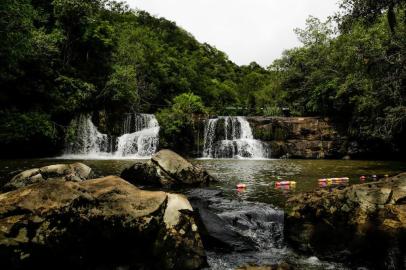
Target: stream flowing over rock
{"x":361,"y":224}
{"x":104,"y":223}
{"x":166,"y":168}
{"x":69,"y":172}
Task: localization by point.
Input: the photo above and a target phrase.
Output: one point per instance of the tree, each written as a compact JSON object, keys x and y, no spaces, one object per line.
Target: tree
{"x":368,"y":11}
{"x":16,"y":26}
{"x":121,"y":89}
{"x":316,"y":32}
{"x":177,"y":122}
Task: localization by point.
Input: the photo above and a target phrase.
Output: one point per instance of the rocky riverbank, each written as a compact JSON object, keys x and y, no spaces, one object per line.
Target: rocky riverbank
{"x":55,"y":217}
{"x":363,"y":224}
{"x":97,"y":224}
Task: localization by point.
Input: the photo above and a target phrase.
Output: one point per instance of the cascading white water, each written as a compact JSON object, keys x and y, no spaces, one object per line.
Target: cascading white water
{"x":88,"y":140}
{"x":231,"y":137}
{"x":144,"y":139}
{"x":139,"y":140}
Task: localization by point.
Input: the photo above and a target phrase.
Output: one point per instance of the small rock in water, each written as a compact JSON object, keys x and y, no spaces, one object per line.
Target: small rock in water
{"x":313,"y":260}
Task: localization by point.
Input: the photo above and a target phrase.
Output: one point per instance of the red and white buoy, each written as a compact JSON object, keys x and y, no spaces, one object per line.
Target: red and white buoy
{"x":241,"y":186}
{"x":285,"y":183}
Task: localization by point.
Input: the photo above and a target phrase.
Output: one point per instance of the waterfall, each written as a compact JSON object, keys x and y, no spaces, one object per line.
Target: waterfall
{"x":143,"y":141}
{"x":88,"y":140}
{"x":139,"y":139}
{"x":231,"y":137}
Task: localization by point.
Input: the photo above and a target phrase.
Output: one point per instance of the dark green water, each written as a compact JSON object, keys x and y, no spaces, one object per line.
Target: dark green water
{"x":258,"y":175}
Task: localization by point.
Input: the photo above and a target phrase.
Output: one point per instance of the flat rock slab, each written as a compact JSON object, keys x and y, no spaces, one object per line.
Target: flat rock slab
{"x":105,"y":222}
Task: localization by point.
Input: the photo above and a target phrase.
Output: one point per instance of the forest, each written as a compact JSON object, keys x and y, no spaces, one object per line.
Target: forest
{"x":62,"y":58}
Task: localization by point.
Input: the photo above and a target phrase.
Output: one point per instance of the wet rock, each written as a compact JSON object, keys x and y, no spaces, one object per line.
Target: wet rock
{"x":69,"y":172}
{"x":142,"y":173}
{"x":204,"y":194}
{"x":216,"y":232}
{"x":281,"y":266}
{"x":362,"y":224}
{"x":104,"y":223}
{"x":166,"y":168}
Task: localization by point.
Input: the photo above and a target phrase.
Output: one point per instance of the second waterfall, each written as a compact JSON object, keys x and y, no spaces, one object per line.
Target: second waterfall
{"x":231,"y":137}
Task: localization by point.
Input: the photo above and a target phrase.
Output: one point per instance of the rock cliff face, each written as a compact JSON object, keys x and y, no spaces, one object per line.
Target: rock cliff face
{"x":299,"y":137}
{"x":362,"y":224}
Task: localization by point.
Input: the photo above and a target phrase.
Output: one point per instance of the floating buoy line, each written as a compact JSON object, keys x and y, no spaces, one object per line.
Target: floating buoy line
{"x":323,"y":182}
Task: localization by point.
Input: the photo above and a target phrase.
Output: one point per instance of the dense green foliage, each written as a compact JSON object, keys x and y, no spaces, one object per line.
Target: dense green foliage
{"x":356,"y":76}
{"x":61,"y":58}
{"x":178,"y":122}
{"x":64,"y":57}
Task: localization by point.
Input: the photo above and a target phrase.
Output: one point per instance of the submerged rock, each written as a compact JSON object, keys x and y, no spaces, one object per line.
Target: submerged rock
{"x":69,"y":172}
{"x":104,"y":223}
{"x":166,"y":168}
{"x":363,"y":224}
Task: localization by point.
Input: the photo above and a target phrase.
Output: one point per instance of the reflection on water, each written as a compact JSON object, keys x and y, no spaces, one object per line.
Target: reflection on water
{"x":259,"y":176}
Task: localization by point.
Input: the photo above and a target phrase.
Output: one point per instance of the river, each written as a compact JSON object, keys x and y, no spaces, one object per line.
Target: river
{"x":257,"y":210}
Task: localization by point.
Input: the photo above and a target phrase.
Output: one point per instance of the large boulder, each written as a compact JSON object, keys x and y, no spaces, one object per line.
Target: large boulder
{"x":364,"y":224}
{"x":69,"y":172}
{"x":104,"y":223}
{"x":166,"y":168}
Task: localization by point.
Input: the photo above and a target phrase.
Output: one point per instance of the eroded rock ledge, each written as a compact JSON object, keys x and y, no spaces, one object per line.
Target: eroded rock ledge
{"x":300,"y":137}
{"x":362,"y":224}
{"x":97,"y":224}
